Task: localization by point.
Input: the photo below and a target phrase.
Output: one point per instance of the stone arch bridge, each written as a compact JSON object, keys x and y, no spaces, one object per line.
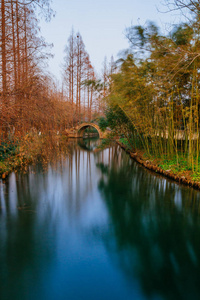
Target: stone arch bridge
{"x":78,"y":131}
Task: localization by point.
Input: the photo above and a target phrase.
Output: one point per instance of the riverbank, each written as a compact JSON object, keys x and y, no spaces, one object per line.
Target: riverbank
{"x":20,"y":153}
{"x":183,"y":178}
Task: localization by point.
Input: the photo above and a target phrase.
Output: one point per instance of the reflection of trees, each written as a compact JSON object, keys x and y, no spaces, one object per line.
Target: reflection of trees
{"x":155,"y":230}
{"x":32,"y":208}
{"x":24,"y":246}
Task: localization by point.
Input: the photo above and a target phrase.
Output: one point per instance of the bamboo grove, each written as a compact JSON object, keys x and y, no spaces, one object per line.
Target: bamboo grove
{"x":154,"y":96}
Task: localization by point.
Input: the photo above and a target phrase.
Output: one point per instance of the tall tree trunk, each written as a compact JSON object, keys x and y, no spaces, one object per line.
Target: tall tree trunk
{"x":25,"y":48}
{"x":14,"y":46}
{"x":77,"y":80}
{"x":18,"y":47}
{"x":3,"y":50}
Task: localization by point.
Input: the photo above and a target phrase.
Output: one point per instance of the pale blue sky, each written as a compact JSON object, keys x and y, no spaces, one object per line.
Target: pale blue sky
{"x":101,"y":23}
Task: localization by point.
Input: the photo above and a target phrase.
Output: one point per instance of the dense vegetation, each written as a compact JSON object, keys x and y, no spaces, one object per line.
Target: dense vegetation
{"x":28,"y":96}
{"x":154,"y":94}
{"x":33,"y":108}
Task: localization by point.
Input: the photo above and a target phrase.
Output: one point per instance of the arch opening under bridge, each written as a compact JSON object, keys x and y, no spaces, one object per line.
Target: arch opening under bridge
{"x":78,"y":131}
{"x":82,"y":127}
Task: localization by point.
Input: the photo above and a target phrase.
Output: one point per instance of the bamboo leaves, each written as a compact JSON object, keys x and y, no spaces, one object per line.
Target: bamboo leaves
{"x":159,"y":92}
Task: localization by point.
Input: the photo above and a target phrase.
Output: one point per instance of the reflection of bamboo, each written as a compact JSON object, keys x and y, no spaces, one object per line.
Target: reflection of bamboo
{"x":90,"y":171}
{"x":76,"y":164}
{"x":2,"y":195}
{"x":70,"y":163}
{"x":79,"y":163}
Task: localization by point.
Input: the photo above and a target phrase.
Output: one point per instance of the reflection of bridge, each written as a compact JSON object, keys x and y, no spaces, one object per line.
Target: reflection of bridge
{"x":78,"y":131}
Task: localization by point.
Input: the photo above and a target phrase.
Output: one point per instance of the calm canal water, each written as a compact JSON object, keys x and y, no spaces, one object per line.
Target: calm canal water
{"x":96,"y":225}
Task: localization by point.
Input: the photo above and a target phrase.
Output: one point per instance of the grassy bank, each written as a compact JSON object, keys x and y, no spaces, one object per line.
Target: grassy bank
{"x":180,"y":172}
{"x":20,"y":152}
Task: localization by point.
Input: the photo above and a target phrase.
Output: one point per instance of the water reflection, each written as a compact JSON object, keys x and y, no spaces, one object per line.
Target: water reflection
{"x":95,"y":225}
{"x":89,"y":144}
{"x":155,"y":230}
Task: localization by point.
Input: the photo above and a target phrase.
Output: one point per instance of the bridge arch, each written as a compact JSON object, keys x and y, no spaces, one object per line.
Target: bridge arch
{"x":82,"y":127}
